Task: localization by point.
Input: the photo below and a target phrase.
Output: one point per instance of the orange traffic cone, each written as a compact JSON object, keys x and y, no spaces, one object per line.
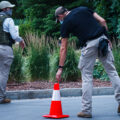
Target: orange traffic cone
{"x":56,"y":107}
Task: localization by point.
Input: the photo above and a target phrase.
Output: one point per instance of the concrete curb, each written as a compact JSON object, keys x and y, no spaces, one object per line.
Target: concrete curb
{"x":47,"y":93}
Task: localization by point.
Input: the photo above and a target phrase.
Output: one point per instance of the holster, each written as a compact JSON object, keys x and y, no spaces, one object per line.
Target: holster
{"x":103,"y":47}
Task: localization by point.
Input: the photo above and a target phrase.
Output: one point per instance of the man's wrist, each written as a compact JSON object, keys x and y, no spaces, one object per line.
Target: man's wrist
{"x":60,"y":67}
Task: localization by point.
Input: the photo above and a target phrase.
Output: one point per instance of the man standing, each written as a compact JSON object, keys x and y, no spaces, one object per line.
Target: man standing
{"x":8,"y":34}
{"x":91,"y":29}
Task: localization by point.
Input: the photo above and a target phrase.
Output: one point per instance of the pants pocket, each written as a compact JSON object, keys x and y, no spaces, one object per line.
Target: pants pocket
{"x":8,"y":61}
{"x":81,"y":63}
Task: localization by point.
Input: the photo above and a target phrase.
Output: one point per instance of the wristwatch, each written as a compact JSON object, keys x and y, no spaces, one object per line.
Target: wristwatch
{"x":60,"y":66}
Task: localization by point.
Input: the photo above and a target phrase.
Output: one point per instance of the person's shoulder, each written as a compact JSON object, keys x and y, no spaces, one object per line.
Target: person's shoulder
{"x":74,"y":12}
{"x":9,"y":20}
{"x":81,"y":8}
{"x":67,"y":20}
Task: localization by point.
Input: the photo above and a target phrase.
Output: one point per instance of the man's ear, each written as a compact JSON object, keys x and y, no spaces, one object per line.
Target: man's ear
{"x":61,"y":15}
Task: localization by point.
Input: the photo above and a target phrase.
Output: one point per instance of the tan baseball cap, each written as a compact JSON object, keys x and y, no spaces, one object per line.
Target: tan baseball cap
{"x":6,"y":4}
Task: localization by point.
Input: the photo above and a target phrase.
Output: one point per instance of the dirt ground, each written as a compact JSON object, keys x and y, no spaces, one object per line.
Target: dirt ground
{"x":49,"y":85}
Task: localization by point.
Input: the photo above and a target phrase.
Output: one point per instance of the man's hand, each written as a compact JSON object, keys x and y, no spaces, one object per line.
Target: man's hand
{"x":22,"y":44}
{"x":63,"y":51}
{"x":58,"y":74}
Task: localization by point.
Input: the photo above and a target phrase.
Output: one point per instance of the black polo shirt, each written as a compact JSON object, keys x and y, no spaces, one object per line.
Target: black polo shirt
{"x":81,"y":23}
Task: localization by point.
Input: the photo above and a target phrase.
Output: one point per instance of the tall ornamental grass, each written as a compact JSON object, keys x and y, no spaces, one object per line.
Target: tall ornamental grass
{"x":38,"y":56}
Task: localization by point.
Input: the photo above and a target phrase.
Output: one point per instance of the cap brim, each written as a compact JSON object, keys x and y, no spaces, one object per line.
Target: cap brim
{"x":12,"y":6}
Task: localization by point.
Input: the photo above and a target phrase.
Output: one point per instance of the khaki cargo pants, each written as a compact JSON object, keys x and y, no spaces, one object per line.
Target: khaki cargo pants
{"x":86,"y":65}
{"x":6,"y":58}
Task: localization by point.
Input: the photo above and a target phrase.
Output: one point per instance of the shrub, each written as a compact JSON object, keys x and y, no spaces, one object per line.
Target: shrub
{"x":24,"y":27}
{"x":99,"y":72}
{"x":70,"y":71}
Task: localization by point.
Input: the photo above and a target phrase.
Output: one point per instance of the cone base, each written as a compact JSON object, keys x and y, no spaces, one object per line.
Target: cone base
{"x":55,"y":116}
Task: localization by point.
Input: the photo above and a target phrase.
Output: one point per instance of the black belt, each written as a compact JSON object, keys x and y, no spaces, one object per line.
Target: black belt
{"x":6,"y":44}
{"x":93,"y":38}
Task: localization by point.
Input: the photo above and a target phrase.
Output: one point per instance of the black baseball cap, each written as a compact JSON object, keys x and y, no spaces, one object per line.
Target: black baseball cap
{"x":58,"y":11}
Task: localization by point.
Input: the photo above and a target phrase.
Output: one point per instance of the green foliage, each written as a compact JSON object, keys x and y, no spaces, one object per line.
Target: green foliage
{"x":118,"y":28}
{"x":101,"y":7}
{"x":70,"y":71}
{"x":99,"y":72}
{"x":36,"y":11}
{"x":19,"y":21}
{"x":78,"y":3}
{"x":16,"y":72}
{"x":50,"y":26}
{"x":18,"y":9}
{"x":24,"y":27}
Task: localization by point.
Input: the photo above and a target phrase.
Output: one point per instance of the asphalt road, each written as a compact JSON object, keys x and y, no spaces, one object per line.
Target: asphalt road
{"x":104,"y":108}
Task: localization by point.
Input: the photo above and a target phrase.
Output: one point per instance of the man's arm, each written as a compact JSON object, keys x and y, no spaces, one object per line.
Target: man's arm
{"x":101,"y":20}
{"x":14,"y":34}
{"x":12,"y":30}
{"x":63,"y":51}
{"x":103,"y":23}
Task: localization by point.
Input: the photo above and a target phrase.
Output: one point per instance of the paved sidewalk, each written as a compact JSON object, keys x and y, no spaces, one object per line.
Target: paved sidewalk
{"x":104,"y":108}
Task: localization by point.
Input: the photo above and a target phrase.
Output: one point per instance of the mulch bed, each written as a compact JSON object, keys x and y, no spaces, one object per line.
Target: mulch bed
{"x":49,"y":85}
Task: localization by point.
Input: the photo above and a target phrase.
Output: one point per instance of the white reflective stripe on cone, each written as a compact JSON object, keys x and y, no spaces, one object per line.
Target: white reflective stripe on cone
{"x":56,"y":95}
